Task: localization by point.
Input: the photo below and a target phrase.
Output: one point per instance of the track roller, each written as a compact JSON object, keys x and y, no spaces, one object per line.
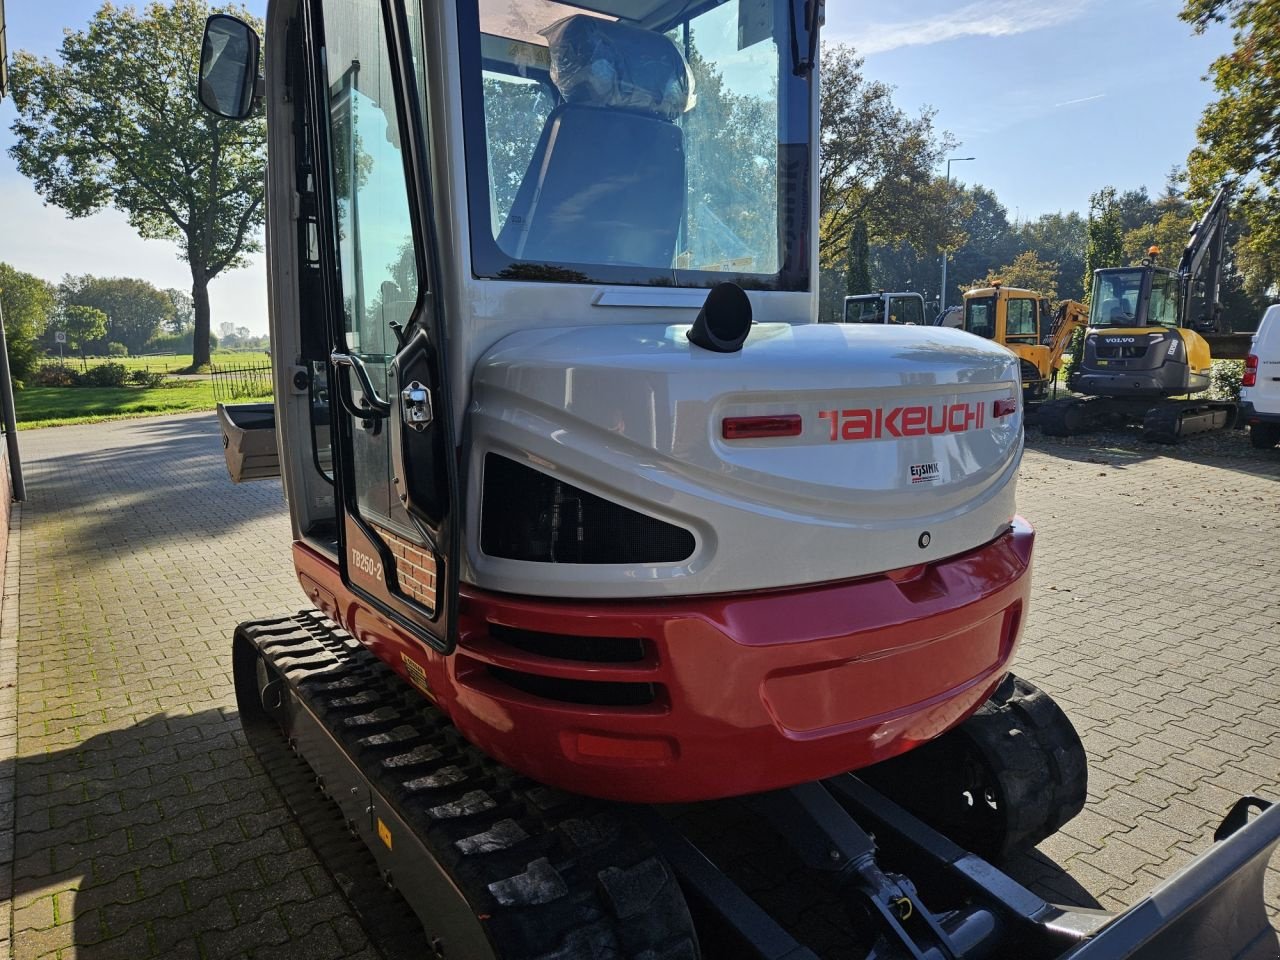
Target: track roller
{"x":1005,"y":779}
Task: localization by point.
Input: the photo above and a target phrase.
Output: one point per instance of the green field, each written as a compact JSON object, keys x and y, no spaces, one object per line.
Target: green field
{"x":57,"y":406}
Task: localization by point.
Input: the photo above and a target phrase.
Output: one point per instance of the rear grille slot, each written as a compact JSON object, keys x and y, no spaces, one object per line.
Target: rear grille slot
{"x":1120,"y":351}
{"x":585,"y":692}
{"x":528,"y":515}
{"x":561,"y":647}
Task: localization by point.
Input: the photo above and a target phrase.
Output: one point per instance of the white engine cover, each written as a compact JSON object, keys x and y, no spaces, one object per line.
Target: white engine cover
{"x":634,"y":414}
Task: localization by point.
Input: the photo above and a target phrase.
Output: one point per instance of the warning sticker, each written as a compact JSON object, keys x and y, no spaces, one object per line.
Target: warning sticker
{"x":417,"y":676}
{"x":384,"y":833}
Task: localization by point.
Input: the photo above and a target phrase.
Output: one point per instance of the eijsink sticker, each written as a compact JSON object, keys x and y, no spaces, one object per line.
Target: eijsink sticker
{"x":925,"y":472}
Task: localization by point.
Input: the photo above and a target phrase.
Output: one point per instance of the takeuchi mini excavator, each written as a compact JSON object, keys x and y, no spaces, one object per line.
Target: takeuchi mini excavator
{"x":1027,"y":324}
{"x":652,"y":615}
{"x":1145,"y":344}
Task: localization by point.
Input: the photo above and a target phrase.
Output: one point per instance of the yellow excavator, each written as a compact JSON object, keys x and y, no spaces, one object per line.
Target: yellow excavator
{"x":1024,"y":321}
{"x":1145,"y":352}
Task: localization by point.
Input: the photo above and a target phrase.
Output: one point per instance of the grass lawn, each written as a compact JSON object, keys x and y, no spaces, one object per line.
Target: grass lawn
{"x":56,"y":406}
{"x":169,"y":363}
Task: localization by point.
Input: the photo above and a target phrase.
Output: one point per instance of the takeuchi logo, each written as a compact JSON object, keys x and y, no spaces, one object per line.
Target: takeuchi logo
{"x":865,"y":423}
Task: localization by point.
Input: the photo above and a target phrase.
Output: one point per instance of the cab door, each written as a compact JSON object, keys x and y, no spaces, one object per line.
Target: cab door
{"x":395,"y":469}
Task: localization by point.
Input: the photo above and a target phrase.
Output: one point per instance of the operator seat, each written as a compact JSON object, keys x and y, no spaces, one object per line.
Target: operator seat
{"x":606,"y":183}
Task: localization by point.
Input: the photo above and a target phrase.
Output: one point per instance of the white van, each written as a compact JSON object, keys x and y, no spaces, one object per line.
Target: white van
{"x":1260,"y":388}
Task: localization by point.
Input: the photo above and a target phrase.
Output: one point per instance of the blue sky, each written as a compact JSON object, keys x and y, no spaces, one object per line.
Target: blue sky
{"x":1054,"y":98}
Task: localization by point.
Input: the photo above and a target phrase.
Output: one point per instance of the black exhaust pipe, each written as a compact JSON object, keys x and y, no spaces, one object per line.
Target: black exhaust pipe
{"x":724,"y":320}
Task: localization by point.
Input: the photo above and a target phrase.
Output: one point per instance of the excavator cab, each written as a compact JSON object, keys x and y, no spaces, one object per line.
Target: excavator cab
{"x":1020,"y":320}
{"x":1138,"y":344}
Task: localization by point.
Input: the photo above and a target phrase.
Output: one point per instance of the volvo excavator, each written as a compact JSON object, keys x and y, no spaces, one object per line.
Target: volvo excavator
{"x":648,"y":615}
{"x":1025,"y":323}
{"x":1145,"y":354}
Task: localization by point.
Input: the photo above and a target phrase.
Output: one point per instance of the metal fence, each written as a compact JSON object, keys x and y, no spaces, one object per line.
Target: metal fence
{"x":245,"y":382}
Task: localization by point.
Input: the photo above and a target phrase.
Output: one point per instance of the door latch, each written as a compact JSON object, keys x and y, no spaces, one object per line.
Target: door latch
{"x":415,"y":406}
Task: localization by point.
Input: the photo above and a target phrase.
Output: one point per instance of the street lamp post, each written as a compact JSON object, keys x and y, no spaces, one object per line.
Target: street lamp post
{"x":942,"y":297}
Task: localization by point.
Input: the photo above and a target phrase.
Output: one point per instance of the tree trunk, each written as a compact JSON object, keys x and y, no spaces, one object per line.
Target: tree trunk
{"x":200,"y":336}
{"x":857,"y":276}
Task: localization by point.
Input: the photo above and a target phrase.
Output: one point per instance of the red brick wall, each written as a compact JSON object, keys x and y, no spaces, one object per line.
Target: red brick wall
{"x":415,"y":568}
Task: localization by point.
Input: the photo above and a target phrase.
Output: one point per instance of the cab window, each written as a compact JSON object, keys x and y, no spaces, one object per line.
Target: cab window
{"x":906,"y":310}
{"x":1021,"y":319}
{"x":980,"y":316}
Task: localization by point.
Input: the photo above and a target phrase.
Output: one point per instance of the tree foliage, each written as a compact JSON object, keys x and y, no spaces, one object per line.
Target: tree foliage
{"x":113,"y":121}
{"x":858,"y":272}
{"x":83,"y":325}
{"x":1239,"y":132}
{"x":135,"y":309}
{"x":1027,"y":272}
{"x":879,"y":168}
{"x":27,"y":304}
{"x":1104,"y":243}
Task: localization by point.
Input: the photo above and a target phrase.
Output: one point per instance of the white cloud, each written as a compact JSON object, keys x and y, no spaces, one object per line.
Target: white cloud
{"x":1004,"y":18}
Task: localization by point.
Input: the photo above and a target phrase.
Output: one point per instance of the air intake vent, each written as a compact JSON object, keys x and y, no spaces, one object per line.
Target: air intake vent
{"x":586,"y":692}
{"x":527,"y":515}
{"x":563,"y":647}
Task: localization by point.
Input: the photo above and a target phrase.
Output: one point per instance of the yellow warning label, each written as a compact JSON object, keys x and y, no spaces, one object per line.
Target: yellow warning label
{"x":417,"y":676}
{"x":384,"y":833}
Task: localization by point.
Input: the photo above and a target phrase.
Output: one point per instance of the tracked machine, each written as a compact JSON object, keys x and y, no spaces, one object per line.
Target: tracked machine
{"x":652,"y":618}
{"x":1025,"y":323}
{"x":1145,"y":355}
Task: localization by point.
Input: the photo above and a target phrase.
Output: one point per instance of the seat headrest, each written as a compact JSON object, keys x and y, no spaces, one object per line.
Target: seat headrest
{"x":606,"y":63}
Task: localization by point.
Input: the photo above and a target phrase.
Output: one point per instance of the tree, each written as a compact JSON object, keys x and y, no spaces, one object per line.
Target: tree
{"x":991,"y":240}
{"x":114,"y":122}
{"x":1239,"y":133}
{"x":135,"y":309}
{"x":1104,"y":246}
{"x":83,"y":325}
{"x":183,"y":311}
{"x":878,"y":168}
{"x":1059,"y":238}
{"x":27,"y":303}
{"x":858,"y":275}
{"x":1027,"y":272}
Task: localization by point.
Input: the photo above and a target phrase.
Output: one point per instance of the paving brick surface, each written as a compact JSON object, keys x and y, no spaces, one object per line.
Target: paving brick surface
{"x":142,"y":826}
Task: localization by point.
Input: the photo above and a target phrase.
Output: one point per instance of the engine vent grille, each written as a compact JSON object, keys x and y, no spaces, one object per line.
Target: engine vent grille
{"x":563,"y":647}
{"x":587,"y":692}
{"x":528,"y":515}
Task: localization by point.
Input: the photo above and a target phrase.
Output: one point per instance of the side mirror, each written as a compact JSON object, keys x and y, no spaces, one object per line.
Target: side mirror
{"x":229,"y":67}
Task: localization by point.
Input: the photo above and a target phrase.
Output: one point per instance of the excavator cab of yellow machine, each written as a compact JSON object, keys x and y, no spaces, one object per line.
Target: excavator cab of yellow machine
{"x":1026,"y":324}
{"x":1137,"y":344}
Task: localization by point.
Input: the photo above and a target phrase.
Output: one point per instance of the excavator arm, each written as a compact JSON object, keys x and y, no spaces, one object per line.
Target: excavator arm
{"x":1071,"y":316}
{"x":1205,"y":243}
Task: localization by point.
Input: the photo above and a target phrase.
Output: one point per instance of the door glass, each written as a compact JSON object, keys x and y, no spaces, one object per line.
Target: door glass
{"x":376,"y":263}
{"x":979,"y":316}
{"x":1021,"y":319}
{"x":907,"y":310}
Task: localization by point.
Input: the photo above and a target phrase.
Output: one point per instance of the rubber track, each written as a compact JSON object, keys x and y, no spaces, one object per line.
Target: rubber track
{"x":1024,"y":745}
{"x":555,"y":876}
{"x":1038,"y":757}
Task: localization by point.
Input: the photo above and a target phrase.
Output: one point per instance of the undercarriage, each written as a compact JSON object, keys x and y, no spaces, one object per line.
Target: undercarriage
{"x":1163,"y":421}
{"x":494,"y":864}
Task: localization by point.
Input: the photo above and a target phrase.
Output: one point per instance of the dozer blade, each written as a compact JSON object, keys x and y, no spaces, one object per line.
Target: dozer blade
{"x":1214,"y":907}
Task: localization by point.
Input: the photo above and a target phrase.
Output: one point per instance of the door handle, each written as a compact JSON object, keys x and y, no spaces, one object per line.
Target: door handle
{"x":377,"y":408}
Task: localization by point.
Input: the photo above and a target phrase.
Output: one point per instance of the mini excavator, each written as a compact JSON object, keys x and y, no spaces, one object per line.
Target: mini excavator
{"x":650,"y":618}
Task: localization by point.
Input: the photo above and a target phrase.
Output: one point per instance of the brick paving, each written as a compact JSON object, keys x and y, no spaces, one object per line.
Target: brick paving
{"x":143,"y":827}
